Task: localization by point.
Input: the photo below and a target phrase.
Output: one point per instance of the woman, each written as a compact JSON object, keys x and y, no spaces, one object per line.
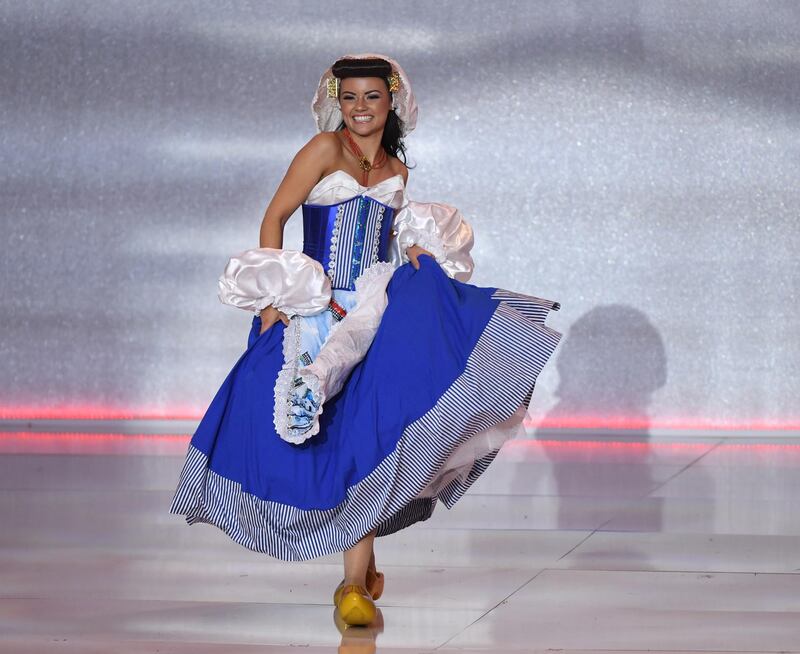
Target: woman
{"x":376,"y":381}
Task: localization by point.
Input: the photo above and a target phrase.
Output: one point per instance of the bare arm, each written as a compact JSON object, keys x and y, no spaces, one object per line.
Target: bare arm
{"x":304,"y":172}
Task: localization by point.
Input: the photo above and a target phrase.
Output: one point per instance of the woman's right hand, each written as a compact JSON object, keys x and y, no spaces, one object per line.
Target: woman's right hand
{"x":414,"y":252}
{"x":269,"y":316}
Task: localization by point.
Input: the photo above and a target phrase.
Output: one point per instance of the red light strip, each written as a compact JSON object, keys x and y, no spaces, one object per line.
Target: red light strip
{"x":88,"y":443}
{"x":175,"y":444}
{"x":625,"y":423}
{"x":582,"y":422}
{"x":647,"y":445}
{"x":96,"y":412}
{"x":90,"y":436}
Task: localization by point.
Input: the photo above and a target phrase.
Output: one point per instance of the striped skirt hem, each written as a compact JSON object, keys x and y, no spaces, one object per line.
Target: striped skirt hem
{"x":498,"y":378}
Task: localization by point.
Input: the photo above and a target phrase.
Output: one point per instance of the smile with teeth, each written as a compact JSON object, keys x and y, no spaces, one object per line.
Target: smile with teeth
{"x":362,"y":119}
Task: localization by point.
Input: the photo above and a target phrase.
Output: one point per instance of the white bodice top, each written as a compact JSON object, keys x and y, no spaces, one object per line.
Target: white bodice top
{"x":339,"y":186}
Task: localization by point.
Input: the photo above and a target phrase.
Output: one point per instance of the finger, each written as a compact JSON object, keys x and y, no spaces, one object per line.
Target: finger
{"x":415,"y":263}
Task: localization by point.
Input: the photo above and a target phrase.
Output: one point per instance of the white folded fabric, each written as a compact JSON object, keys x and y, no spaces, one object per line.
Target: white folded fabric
{"x":438,"y":228}
{"x":289,"y":280}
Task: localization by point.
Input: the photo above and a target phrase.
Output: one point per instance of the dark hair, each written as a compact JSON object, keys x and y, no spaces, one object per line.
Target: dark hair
{"x":392,"y":140}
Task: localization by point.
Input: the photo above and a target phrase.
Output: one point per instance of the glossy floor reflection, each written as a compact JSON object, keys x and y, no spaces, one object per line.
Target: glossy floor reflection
{"x":603,"y":545}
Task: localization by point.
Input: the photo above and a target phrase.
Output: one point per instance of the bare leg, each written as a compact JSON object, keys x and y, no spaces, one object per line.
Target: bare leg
{"x":357,"y":559}
{"x":371,"y":569}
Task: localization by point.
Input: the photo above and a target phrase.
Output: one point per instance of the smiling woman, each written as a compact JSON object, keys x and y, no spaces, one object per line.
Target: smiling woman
{"x":365,"y":101}
{"x":394,"y":382}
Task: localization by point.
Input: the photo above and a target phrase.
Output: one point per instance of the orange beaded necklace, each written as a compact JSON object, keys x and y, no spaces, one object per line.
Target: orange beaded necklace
{"x":363,"y":162}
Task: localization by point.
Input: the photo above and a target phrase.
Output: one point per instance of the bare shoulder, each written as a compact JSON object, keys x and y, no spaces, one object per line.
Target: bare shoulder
{"x":324,"y":144}
{"x":399,"y":168}
{"x":315,"y":157}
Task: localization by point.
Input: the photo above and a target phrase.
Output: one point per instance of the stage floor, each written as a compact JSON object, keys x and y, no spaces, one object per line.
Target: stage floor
{"x":584,"y":545}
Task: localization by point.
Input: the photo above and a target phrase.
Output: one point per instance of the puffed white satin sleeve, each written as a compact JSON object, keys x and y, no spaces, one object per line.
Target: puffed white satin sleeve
{"x":440,"y":229}
{"x":289,"y":280}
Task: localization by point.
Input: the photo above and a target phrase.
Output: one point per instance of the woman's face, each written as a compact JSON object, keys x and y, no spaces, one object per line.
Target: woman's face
{"x":365,"y":103}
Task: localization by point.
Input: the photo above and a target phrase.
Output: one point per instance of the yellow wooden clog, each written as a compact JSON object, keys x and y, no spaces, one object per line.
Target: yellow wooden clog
{"x":356,"y":606}
{"x":375,"y":585}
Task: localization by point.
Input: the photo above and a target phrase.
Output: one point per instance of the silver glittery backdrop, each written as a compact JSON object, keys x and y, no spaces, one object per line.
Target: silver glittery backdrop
{"x":636,"y":161}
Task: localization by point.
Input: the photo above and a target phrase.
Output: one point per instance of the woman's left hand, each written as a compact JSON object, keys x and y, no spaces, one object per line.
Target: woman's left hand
{"x":414,"y":252}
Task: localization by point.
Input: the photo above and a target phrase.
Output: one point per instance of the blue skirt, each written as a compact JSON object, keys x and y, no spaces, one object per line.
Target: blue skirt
{"x":449,"y":362}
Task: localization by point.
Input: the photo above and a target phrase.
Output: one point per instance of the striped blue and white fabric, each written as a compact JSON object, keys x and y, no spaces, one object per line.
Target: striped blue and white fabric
{"x":347,"y":237}
{"x":449,"y":362}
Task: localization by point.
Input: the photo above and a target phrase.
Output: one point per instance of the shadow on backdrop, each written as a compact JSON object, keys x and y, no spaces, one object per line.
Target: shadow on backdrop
{"x":611,"y":362}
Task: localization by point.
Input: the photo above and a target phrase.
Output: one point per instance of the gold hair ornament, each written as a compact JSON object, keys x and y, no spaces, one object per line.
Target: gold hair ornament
{"x":333,"y":84}
{"x":333,"y":87}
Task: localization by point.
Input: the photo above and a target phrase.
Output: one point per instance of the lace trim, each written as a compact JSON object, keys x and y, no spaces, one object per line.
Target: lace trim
{"x":284,"y":384}
{"x":373,"y":276}
{"x":376,"y":245}
{"x":366,"y":281}
{"x":262,"y":303}
{"x":430,"y":242}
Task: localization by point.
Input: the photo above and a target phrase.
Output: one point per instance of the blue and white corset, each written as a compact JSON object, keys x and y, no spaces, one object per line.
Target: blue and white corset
{"x":347,"y":237}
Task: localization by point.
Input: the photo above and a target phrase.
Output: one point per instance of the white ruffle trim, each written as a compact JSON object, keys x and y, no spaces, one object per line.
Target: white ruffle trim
{"x":345,"y":345}
{"x":374,"y":278}
{"x":462,"y":460}
{"x":438,"y":228}
{"x":284,"y":384}
{"x":426,"y":240}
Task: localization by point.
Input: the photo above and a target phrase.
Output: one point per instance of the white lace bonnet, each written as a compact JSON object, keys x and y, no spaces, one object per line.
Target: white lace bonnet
{"x":328,"y":116}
